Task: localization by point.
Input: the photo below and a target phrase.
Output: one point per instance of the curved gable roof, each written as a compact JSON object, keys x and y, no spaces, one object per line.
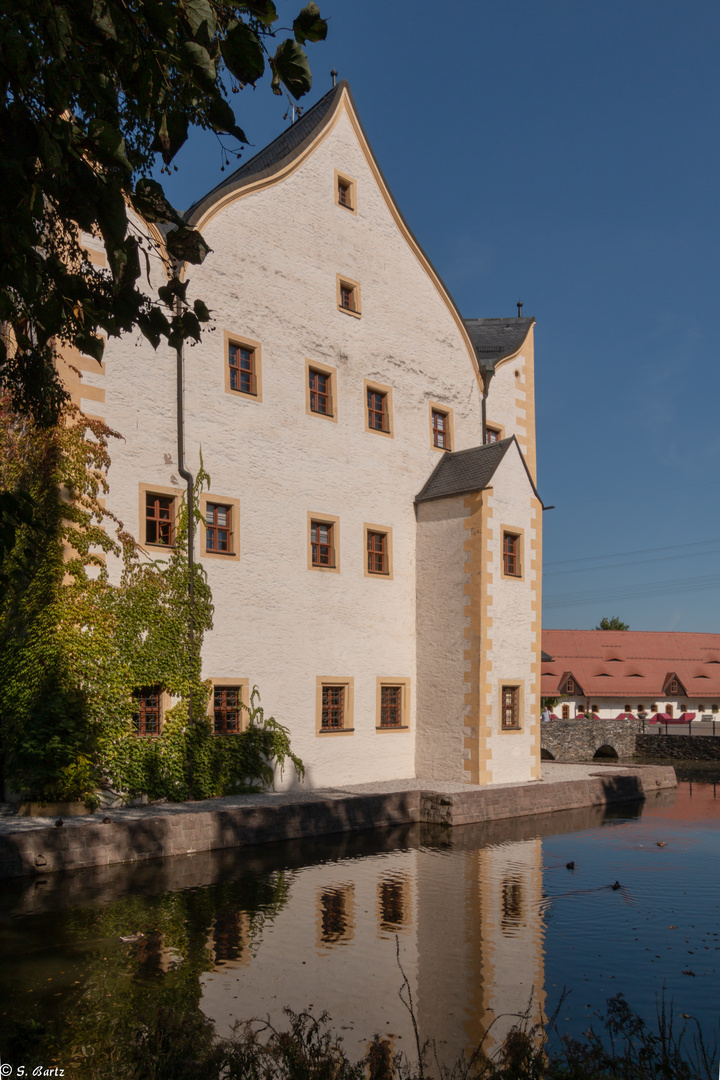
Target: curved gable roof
{"x":495,"y":340}
{"x":288,"y":151}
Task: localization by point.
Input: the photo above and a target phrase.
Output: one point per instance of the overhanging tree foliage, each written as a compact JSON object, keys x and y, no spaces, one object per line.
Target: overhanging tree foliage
{"x":612,"y":624}
{"x":92,"y":91}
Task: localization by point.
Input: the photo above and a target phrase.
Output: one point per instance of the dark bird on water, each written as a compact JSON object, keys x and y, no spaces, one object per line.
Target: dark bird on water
{"x":661,"y":843}
{"x":107,"y":821}
{"x":59,"y":823}
{"x":616,"y":886}
{"x":570,"y":866}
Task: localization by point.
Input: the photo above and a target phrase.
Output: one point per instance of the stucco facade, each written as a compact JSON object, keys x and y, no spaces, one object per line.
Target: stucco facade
{"x":301,"y":285}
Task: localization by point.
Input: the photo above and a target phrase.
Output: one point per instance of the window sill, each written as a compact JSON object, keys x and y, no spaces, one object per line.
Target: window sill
{"x":218,"y":554}
{"x":336,"y":731}
{"x":349,"y":311}
{"x":511,"y":730}
{"x":396,"y":727}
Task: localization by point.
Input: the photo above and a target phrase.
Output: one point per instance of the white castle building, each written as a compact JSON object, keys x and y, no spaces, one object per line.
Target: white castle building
{"x":373,"y":530}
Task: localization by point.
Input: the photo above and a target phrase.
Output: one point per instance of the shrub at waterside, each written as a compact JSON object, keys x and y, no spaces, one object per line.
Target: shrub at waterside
{"x":74,"y":647}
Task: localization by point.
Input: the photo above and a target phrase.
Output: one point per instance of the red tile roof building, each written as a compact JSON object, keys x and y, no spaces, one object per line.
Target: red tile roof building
{"x":611,"y":671}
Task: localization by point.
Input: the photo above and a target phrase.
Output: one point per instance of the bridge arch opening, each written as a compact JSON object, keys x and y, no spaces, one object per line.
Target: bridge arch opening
{"x":605,"y":753}
{"x":545,"y":755}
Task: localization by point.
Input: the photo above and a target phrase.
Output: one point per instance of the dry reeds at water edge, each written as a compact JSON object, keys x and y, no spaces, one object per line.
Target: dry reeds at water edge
{"x":625,"y":1048}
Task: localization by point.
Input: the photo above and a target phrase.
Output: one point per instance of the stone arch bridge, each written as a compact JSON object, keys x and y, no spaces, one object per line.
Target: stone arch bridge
{"x":582,"y":740}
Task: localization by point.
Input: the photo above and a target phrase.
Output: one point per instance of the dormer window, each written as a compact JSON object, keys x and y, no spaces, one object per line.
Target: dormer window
{"x":570,"y":686}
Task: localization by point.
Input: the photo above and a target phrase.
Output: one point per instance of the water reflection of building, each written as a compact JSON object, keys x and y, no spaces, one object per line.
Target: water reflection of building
{"x":467,"y":920}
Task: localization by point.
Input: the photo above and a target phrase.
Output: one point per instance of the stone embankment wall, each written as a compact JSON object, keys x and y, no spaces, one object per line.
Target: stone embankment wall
{"x":579,"y":740}
{"x":191,"y":828}
{"x":679,"y":747}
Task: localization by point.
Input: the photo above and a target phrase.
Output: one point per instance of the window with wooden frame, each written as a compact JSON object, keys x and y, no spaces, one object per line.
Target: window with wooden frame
{"x":377,"y":554}
{"x":570,"y":686}
{"x":147,"y":711}
{"x":220,"y":533}
{"x":348,"y":296}
{"x":320,"y":395}
{"x":218,"y":528}
{"x":441,"y":430}
{"x":243,"y":372}
{"x":321,"y":542}
{"x":510,"y":708}
{"x":511,"y":555}
{"x":334,"y":706}
{"x":492,"y":434}
{"x":669,"y":710}
{"x":673,"y":687}
{"x":377,"y":410}
{"x":345,"y":192}
{"x":392,"y":704}
{"x":159,"y":519}
{"x":243,"y":367}
{"x":566,"y":712}
{"x":227,"y":710}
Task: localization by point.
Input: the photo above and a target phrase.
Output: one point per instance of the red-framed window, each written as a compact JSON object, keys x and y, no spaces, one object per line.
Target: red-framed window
{"x":510,"y":707}
{"x":390,"y":706}
{"x":511,"y":555}
{"x":159,"y":520}
{"x":147,"y":714}
{"x":441,"y":429}
{"x":674,"y":687}
{"x":570,"y":686}
{"x":377,"y":554}
{"x":377,"y":410}
{"x":333,"y":708}
{"x":226,"y":710}
{"x":320,"y":401}
{"x":491,"y":435}
{"x":344,"y":194}
{"x":321,"y":542}
{"x":218,"y":535}
{"x":243,"y":373}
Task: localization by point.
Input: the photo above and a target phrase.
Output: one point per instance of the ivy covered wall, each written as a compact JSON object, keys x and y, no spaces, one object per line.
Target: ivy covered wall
{"x":74,"y":647}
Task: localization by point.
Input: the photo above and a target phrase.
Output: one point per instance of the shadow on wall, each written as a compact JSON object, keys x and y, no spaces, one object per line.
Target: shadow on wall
{"x":606,"y":753}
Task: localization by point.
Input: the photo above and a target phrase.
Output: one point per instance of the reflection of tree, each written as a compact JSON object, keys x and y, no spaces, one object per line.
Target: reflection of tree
{"x":136,"y":1003}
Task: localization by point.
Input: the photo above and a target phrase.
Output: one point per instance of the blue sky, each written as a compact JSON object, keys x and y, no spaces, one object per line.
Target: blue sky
{"x":567,"y":155}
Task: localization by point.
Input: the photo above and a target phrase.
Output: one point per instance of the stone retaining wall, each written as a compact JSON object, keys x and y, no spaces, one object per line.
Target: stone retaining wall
{"x":680,"y":747}
{"x":190,"y":829}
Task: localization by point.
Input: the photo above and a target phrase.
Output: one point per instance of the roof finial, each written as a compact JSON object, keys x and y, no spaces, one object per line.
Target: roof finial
{"x":334,"y":76}
{"x":520,"y":307}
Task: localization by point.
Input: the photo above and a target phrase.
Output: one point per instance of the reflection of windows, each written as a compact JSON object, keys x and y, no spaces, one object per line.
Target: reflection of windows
{"x":512,"y":905}
{"x":227,"y":936}
{"x":393,"y":904}
{"x":147,"y":712}
{"x":336,"y":914}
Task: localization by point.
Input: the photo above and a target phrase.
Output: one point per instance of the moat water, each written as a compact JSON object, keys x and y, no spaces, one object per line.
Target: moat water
{"x":483,"y":920}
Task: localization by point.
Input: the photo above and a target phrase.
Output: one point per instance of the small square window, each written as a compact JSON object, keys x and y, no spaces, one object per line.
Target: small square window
{"x":511,"y":555}
{"x":243,"y":367}
{"x":492,"y":434}
{"x":147,"y":712}
{"x":227,"y":712}
{"x":510,"y":705}
{"x":159,"y":519}
{"x":348,"y":296}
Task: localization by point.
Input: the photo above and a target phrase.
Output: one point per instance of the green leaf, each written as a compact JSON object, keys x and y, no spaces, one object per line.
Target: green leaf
{"x":90,"y":344}
{"x":109,"y":142}
{"x":201,"y":61}
{"x":242,"y":52}
{"x":263,"y":10}
{"x":186,"y":244}
{"x":292,"y":67}
{"x":201,"y":17}
{"x":150,"y":201}
{"x":222,"y":118}
{"x":101,"y":17}
{"x":309,"y":26}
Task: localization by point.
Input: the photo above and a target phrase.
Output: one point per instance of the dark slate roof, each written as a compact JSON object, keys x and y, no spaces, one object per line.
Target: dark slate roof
{"x":464,"y":471}
{"x":284,"y":146}
{"x":545,"y":657}
{"x":494,"y":339}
